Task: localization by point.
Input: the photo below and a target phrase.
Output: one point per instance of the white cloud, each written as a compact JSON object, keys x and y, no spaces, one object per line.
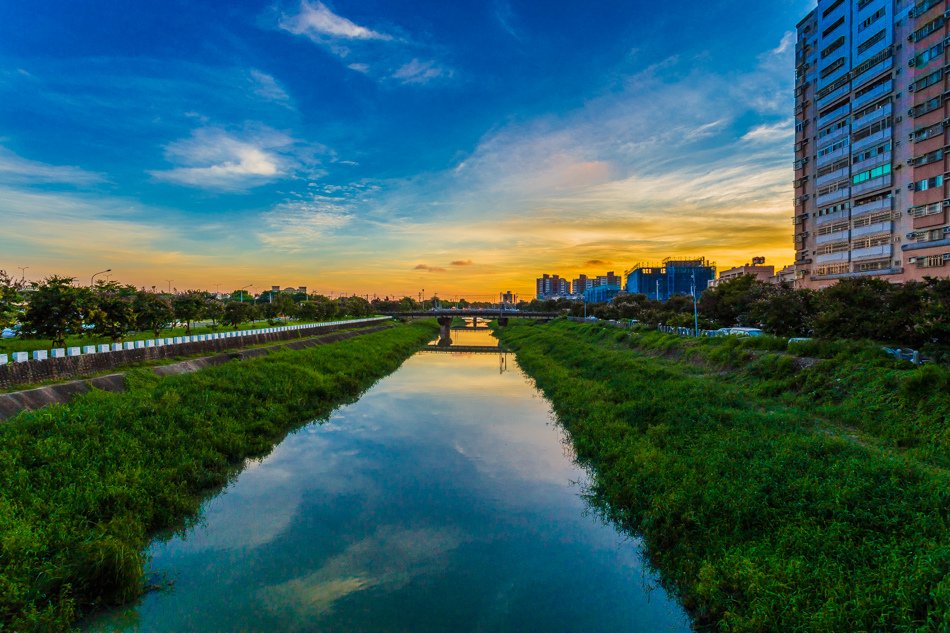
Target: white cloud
{"x":214,"y":159}
{"x":771,"y":132}
{"x":267,"y":87}
{"x":300,"y":224}
{"x":16,"y":169}
{"x":420,"y":72}
{"x":360,"y":68}
{"x":317,"y":22}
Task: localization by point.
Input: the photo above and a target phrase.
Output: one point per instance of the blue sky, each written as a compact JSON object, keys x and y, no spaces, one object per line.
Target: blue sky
{"x":383,"y":147}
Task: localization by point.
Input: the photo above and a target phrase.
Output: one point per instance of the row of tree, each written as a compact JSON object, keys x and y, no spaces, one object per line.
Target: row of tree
{"x":912,"y":314}
{"x":57,"y":308}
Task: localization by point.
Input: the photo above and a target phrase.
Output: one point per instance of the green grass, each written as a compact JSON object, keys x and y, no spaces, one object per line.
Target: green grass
{"x":84,"y":485}
{"x":769,"y":498}
{"x":10,"y":345}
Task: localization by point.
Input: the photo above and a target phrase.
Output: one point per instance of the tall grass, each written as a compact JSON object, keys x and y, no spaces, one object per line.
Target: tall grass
{"x":84,"y":485}
{"x":762,"y":510}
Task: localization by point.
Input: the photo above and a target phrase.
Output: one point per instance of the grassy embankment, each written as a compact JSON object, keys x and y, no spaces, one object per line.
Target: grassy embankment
{"x":24,"y":344}
{"x":770,"y":498}
{"x":84,"y":485}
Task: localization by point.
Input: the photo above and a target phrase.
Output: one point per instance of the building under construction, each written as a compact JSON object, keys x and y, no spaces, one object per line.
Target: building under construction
{"x":674,"y":276}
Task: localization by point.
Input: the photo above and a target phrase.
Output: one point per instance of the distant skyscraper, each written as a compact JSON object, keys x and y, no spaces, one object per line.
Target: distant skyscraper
{"x":870,"y":135}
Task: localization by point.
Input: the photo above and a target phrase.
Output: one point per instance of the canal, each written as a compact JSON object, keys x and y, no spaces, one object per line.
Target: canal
{"x":445,"y":499}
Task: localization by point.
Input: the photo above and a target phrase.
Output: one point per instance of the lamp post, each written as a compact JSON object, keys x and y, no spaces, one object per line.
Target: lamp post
{"x":241,"y":299}
{"x":695,"y":308}
{"x":92,"y":279}
{"x":23,"y":270}
{"x":169,"y":282}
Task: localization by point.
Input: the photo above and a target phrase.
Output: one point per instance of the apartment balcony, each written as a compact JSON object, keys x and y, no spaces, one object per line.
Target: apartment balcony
{"x":873,"y":139}
{"x":832,"y":257}
{"x":834,"y":115}
{"x":872,"y":252}
{"x":879,"y":227}
{"x":885,"y":204}
{"x":833,"y":95}
{"x":834,"y":176}
{"x":821,"y":161}
{"x":871,"y":185}
{"x":837,"y":236}
{"x":831,"y":217}
{"x":878,"y":92}
{"x":871,"y":163}
{"x":871,"y":73}
{"x":834,"y":196}
{"x":834,"y":136}
{"x":880,"y":113}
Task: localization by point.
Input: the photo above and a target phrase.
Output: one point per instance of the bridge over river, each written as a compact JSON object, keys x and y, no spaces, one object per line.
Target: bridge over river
{"x":445,"y":316}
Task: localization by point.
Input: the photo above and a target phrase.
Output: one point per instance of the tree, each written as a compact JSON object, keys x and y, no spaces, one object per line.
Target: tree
{"x":57,"y":309}
{"x":932,"y":323}
{"x":782,"y":310}
{"x":213,"y":309}
{"x":728,"y":303}
{"x":11,"y":300}
{"x":324,"y":307}
{"x":854,"y":308}
{"x":189,"y":306}
{"x":236,"y":313}
{"x":354,"y":306}
{"x":153,"y":312}
{"x":112,"y":309}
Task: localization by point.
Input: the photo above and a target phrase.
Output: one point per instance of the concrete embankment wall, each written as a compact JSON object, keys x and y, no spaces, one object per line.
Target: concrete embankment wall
{"x":31,"y":399}
{"x":36,"y":371}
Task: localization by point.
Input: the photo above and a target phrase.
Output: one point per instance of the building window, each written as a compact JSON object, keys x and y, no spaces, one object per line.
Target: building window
{"x":870,"y":174}
{"x":871,"y":41}
{"x":834,"y":147}
{"x":924,"y":58}
{"x":929,"y":28}
{"x":883,"y":148}
{"x":871,"y":19}
{"x":926,"y":159}
{"x":831,"y":28}
{"x":928,"y":183}
{"x":874,"y":128}
{"x":927,"y":81}
{"x":927,"y":106}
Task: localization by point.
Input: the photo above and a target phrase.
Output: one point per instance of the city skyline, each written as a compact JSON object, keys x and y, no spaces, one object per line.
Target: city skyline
{"x":369,"y":148}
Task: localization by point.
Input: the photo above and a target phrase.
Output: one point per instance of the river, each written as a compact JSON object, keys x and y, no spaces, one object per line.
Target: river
{"x":445,"y":499}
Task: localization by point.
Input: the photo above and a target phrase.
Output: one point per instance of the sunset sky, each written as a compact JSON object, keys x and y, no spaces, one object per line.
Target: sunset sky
{"x":385,"y":146}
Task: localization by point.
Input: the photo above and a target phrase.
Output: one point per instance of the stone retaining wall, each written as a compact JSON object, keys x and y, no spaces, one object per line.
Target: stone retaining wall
{"x":63,"y":368}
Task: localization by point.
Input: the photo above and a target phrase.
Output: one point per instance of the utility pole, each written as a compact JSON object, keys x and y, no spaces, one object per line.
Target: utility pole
{"x":23,"y":270}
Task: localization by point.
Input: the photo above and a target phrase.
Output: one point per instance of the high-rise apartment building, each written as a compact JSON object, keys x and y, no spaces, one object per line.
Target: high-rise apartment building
{"x":549,"y":286}
{"x":870,"y":135}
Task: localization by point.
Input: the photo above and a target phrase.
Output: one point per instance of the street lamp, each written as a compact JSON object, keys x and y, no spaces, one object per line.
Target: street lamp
{"x":242,"y":292}
{"x":169,"y":285}
{"x":23,"y":270}
{"x":92,"y":279}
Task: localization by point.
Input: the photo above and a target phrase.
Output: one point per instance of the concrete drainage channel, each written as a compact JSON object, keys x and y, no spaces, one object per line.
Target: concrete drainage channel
{"x":31,"y":399}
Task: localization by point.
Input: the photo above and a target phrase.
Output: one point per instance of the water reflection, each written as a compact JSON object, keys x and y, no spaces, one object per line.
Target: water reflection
{"x":442,"y":500}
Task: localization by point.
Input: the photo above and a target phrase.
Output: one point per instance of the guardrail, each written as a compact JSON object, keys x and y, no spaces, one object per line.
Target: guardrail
{"x":86,"y":350}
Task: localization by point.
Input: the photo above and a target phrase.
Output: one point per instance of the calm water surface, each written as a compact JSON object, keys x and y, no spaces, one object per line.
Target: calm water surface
{"x":446,"y":499}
